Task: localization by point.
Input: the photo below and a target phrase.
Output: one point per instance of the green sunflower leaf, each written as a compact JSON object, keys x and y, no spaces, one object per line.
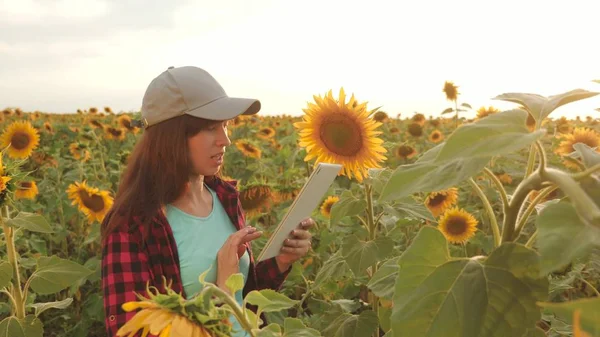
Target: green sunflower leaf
{"x":498,"y":134}
{"x":54,"y":274}
{"x":31,"y":222}
{"x":14,"y":327}
{"x":361,"y":255}
{"x":348,"y":325}
{"x":589,"y":308}
{"x":436,"y":295}
{"x":428,"y":176}
{"x":6,"y":274}
{"x":540,"y":106}
{"x":348,"y":205}
{"x":559,"y":226}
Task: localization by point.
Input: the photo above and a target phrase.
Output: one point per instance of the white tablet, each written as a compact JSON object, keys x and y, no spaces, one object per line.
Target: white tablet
{"x":305,"y":203}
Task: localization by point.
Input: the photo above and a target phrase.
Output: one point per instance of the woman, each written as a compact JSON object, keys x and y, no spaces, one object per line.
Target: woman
{"x":173,"y":216}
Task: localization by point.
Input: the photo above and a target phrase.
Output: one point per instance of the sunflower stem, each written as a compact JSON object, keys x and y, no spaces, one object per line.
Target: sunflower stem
{"x":456,"y":115}
{"x":500,"y":188}
{"x":237,"y":310}
{"x":532,"y":182}
{"x":489,"y":210}
{"x":586,"y":173}
{"x":372,"y":236}
{"x":17,"y":292}
{"x":522,"y":220}
{"x":530,"y":161}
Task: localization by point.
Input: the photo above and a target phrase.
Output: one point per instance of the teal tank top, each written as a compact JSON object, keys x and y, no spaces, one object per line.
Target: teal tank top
{"x":198,"y":241}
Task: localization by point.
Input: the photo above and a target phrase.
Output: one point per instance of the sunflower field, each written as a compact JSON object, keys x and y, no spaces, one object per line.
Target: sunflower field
{"x":441,"y":226}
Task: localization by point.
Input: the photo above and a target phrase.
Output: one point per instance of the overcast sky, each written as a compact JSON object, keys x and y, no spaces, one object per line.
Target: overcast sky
{"x":58,"y":56}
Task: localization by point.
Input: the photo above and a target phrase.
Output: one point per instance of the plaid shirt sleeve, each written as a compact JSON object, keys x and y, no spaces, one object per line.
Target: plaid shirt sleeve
{"x":124,"y":271}
{"x":268,"y":275}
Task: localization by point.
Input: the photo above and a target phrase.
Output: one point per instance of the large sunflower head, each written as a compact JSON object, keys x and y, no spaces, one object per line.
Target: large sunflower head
{"x":327,"y":204}
{"x":415,"y":129}
{"x":256,"y":198}
{"x":587,"y":136}
{"x":124,"y":122}
{"x":22,"y":138}
{"x":333,"y":131}
{"x":438,"y":202}
{"x":26,"y":190}
{"x":436,"y":136}
{"x":405,"y":152}
{"x":79,"y":151}
{"x":266,"y":133}
{"x":457,"y":225}
{"x":91,"y":201}
{"x":419,"y":118}
{"x":114,"y":133}
{"x":451,"y":91}
{"x":484,"y":112}
{"x":380,"y":116}
{"x":248,"y":149}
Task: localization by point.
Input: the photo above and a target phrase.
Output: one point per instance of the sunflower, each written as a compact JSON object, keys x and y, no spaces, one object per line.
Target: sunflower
{"x":458,"y":226}
{"x":339,"y":132}
{"x":266,"y":133}
{"x":22,"y":138}
{"x":256,"y":198}
{"x":436,"y":136}
{"x":380,"y":116}
{"x":415,"y":130}
{"x":587,"y":136}
{"x":285,"y":193}
{"x":504,"y":178}
{"x":90,"y":200}
{"x":434,"y":122}
{"x":114,"y":133}
{"x":451,"y":91}
{"x":419,"y":118}
{"x":394,"y":130}
{"x":405,"y":152}
{"x":48,"y":127}
{"x":18,"y":112}
{"x":96,"y":124}
{"x":484,"y":112}
{"x":159,"y":322}
{"x":439,"y":202}
{"x":327,"y":204}
{"x":93,"y":110}
{"x":3,"y":183}
{"x":248,"y":149}
{"x":108,"y":110}
{"x":7,"y":112}
{"x":26,"y":190}
{"x":79,"y":151}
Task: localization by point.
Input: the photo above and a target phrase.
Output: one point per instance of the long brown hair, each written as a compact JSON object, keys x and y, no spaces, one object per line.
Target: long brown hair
{"x":157,"y":172}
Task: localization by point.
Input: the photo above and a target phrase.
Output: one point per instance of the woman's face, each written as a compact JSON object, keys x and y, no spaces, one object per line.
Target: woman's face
{"x":207,"y":148}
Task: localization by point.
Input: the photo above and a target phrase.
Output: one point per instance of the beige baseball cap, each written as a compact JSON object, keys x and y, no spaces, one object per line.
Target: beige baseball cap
{"x":193,"y":91}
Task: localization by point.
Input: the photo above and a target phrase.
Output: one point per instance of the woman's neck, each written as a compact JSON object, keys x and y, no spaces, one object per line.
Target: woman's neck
{"x":196,"y":199}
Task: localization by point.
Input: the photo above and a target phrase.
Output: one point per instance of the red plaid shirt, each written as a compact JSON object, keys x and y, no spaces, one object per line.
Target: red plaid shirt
{"x":128,"y":262}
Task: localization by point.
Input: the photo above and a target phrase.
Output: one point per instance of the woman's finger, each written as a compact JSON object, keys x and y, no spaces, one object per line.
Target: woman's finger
{"x":301,"y":234}
{"x":295,"y":251}
{"x":297,"y":243}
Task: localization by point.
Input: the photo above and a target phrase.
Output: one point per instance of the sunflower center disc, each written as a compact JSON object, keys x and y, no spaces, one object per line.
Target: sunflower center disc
{"x":342,"y":135}
{"x":26,"y":184}
{"x":19,"y":140}
{"x":94,"y":202}
{"x":437,"y":200}
{"x":457,"y":226}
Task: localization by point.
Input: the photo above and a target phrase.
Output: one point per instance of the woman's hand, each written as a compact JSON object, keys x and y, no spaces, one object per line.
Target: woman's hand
{"x":228,"y":257}
{"x":297,"y":246}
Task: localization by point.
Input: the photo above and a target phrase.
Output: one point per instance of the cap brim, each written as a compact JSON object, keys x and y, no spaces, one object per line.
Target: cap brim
{"x":226,"y":108}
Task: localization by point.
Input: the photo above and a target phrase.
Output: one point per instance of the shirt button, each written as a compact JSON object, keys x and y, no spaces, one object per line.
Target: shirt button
{"x":112,"y":318}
